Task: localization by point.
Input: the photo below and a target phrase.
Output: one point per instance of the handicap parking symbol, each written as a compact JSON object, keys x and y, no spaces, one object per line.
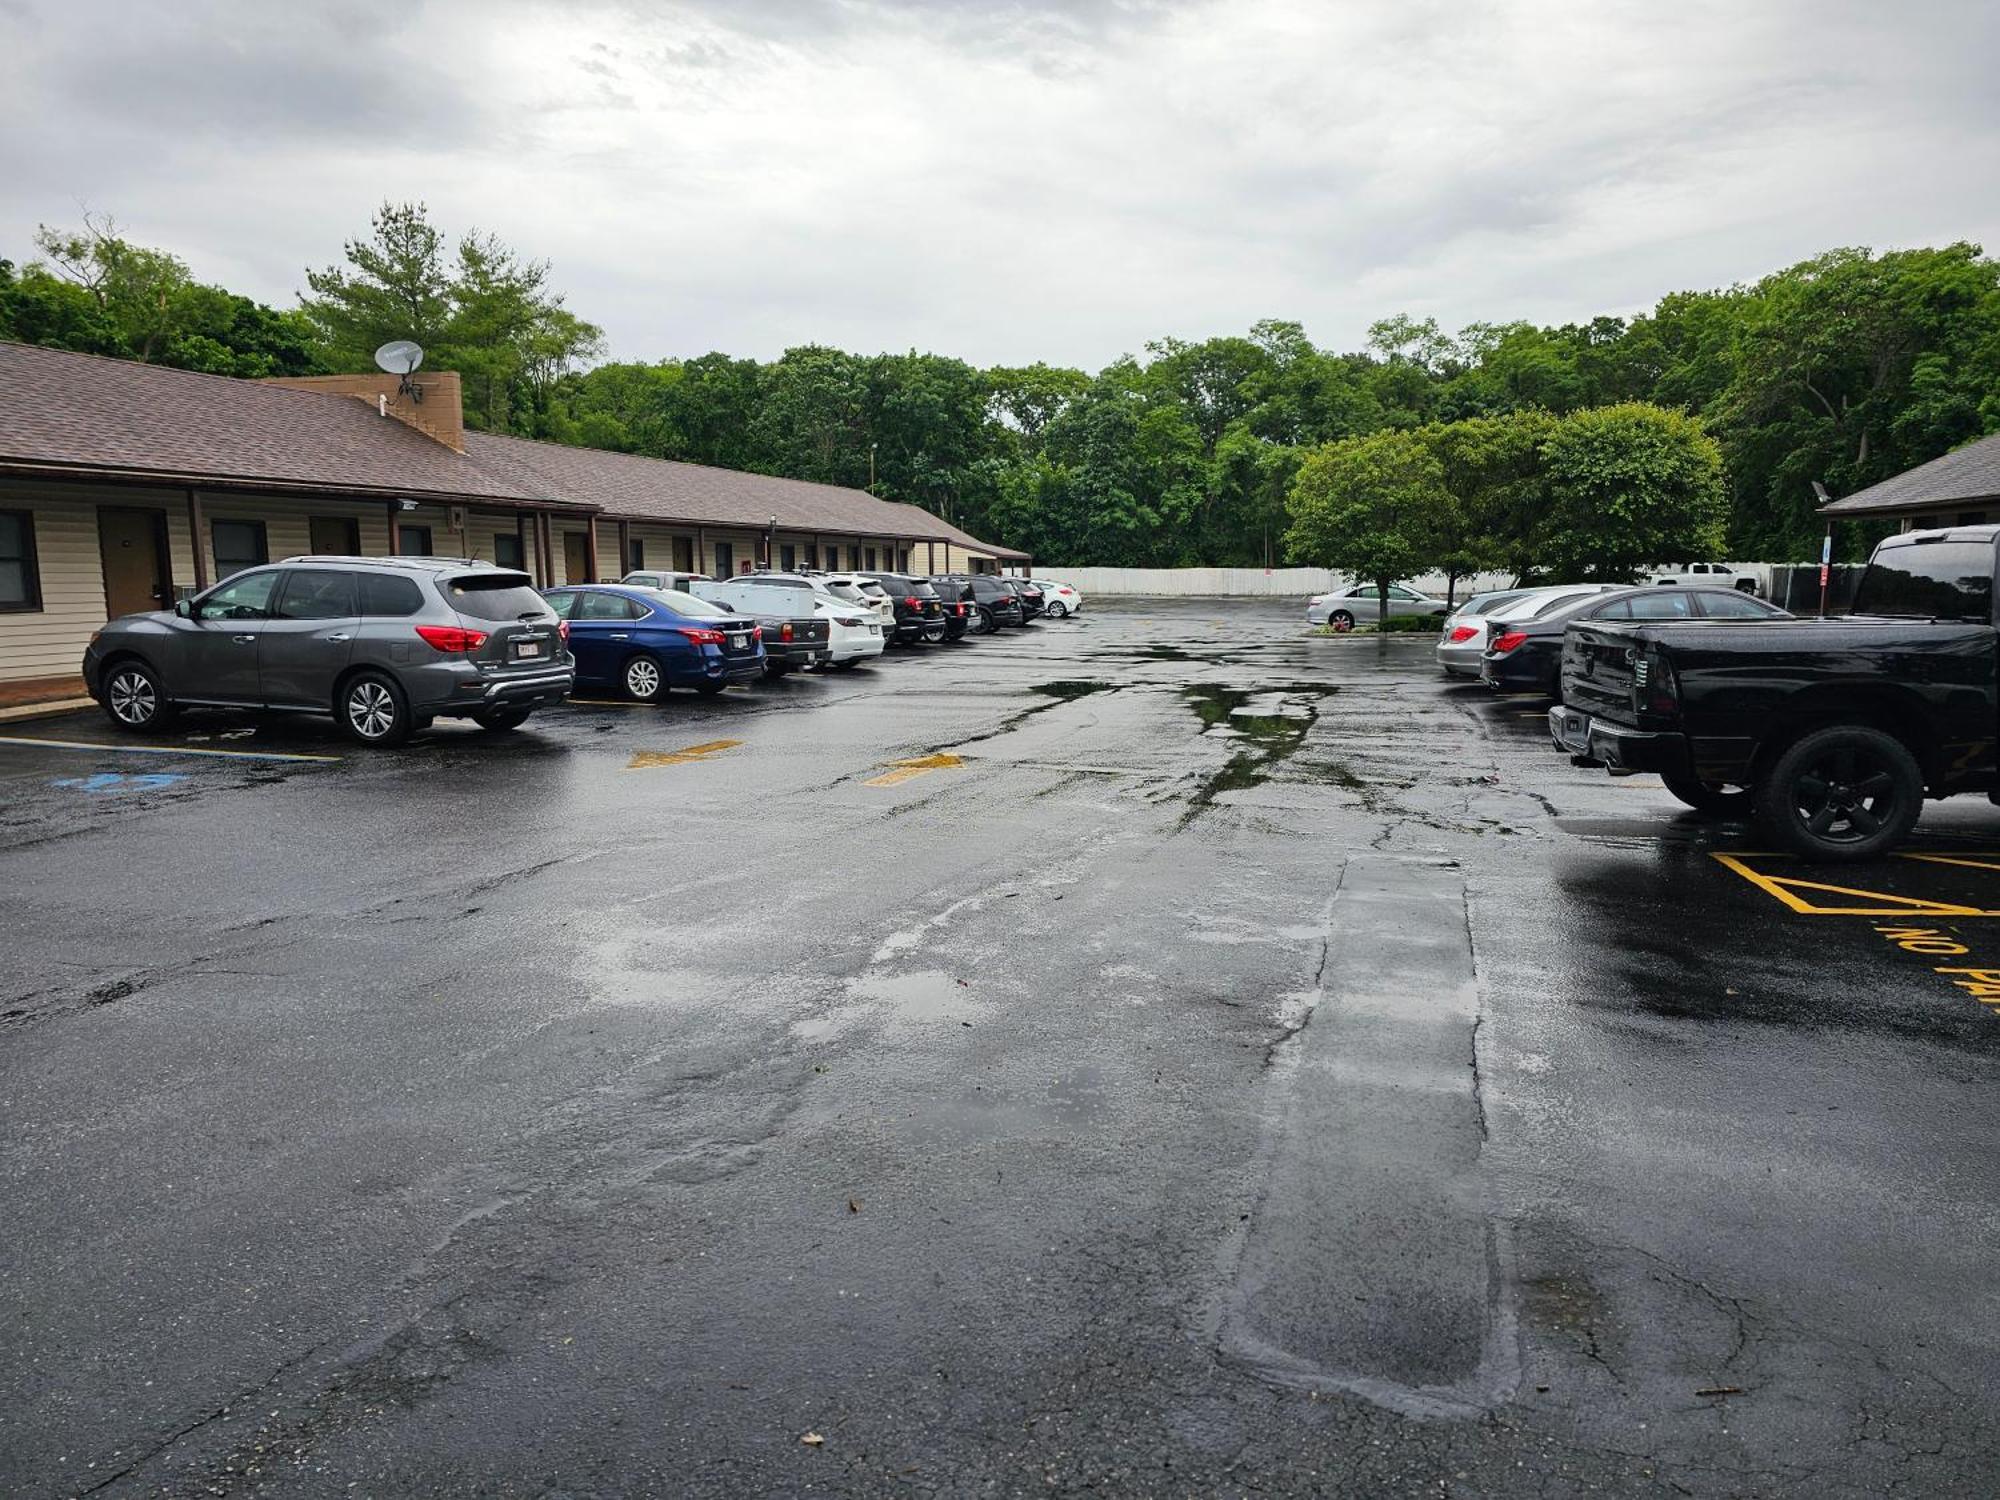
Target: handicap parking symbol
{"x":113,"y":781}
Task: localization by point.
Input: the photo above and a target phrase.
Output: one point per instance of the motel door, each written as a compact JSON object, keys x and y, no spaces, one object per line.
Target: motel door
{"x":576,"y":558}
{"x":134,"y":548}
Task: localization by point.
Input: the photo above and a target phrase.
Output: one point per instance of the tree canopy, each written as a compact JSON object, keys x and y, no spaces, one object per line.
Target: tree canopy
{"x":1846,"y":368}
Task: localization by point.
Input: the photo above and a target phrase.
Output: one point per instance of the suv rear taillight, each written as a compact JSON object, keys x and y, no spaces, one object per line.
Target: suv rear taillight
{"x":1509,"y":641}
{"x":454,"y":640}
{"x":1463,"y":633}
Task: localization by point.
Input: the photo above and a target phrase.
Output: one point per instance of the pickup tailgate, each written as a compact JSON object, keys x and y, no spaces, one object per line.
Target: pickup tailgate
{"x":1597,"y":665}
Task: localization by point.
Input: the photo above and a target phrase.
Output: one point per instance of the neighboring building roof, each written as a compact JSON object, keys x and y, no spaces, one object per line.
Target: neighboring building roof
{"x":90,"y":416}
{"x":1961,"y":477}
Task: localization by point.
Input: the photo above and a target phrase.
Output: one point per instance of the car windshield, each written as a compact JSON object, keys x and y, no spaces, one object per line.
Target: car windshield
{"x":1560,"y":604}
{"x":1929,"y":581}
{"x":495,"y":596}
{"x":687,"y":604}
{"x":1531,"y":605}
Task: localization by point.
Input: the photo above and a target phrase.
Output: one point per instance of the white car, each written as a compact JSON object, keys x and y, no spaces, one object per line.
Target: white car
{"x":1059,"y":600}
{"x":858,"y":590}
{"x":853,"y":632}
{"x":1464,"y":636}
{"x":1343,"y":609}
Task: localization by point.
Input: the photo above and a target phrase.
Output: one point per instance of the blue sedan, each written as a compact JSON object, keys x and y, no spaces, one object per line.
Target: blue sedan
{"x":644,"y":641}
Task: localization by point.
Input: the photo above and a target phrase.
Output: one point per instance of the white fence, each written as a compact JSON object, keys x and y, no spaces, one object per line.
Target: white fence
{"x":1296,"y":583}
{"x":1274,"y":583}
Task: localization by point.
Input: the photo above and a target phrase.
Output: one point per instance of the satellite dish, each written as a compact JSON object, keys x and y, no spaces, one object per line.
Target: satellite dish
{"x":400,"y":357}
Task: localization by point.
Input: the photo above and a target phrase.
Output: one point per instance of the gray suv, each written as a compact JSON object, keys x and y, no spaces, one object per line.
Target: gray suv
{"x":382,"y":644}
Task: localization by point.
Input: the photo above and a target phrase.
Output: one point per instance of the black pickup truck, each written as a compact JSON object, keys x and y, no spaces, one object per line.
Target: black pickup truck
{"x":1830,"y":732}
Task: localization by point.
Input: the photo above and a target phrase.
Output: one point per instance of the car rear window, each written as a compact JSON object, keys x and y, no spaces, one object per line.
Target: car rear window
{"x":494,"y":596}
{"x":1929,"y":581}
{"x":386,"y":594}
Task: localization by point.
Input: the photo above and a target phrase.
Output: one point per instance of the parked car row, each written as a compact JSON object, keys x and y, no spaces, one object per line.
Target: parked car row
{"x":1512,"y":639}
{"x":386,"y":645}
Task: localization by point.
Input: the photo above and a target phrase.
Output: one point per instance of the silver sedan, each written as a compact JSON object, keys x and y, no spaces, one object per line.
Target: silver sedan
{"x":1345,"y":608}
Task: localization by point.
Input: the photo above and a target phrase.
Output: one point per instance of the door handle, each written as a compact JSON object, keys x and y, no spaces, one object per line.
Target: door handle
{"x":244,"y":640}
{"x":620,"y":635}
{"x":340,"y":636}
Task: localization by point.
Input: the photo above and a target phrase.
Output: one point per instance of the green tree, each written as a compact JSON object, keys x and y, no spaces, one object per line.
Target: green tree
{"x":1628,"y":485}
{"x":485,"y":312}
{"x":1369,"y":507}
{"x":1494,"y":474}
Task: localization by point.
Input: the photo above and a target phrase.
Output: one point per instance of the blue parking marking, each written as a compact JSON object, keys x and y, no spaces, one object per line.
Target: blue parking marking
{"x":113,"y":781}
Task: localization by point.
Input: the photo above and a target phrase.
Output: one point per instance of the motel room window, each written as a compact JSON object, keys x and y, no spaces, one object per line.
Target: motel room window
{"x":238,"y":545}
{"x":20,"y":577}
{"x":507,"y":549}
{"x":413,"y":541}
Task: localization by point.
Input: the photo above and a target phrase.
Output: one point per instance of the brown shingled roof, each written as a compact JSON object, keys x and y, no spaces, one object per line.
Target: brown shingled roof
{"x":1965,"y":475}
{"x":88,"y":415}
{"x":83,"y":413}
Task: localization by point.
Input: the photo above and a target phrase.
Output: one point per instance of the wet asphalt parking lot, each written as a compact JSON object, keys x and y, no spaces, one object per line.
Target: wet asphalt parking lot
{"x":1157,"y":1053}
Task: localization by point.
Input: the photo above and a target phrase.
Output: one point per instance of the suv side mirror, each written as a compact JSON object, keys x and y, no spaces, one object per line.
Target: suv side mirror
{"x":184,"y":608}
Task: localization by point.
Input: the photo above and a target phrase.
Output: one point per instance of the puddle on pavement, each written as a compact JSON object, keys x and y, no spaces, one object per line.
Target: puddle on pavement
{"x":1069,"y":690}
{"x":1271,"y":724}
{"x":928,"y":997}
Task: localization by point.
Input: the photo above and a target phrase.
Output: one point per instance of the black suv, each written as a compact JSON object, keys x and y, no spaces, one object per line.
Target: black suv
{"x":919,"y":611}
{"x":993,"y":602}
{"x":383,"y":645}
{"x":961,"y":612}
{"x":1032,"y":602}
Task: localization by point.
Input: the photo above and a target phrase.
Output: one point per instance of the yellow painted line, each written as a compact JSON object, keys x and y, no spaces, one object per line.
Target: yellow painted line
{"x":646,"y":759}
{"x":23,"y":739}
{"x":1786,"y":887}
{"x":1964,"y":861}
{"x":908,"y":770}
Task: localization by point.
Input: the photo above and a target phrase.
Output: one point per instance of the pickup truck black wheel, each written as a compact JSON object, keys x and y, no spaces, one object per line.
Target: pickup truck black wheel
{"x":1707,"y":797}
{"x":1842,"y":794}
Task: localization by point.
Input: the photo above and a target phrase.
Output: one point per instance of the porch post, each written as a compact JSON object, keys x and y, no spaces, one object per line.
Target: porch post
{"x":395,"y":509}
{"x":590,"y":549}
{"x":625,"y":548}
{"x":195,"y":527}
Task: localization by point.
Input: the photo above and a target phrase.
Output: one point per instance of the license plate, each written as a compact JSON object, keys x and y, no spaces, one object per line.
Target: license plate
{"x":738,"y":642}
{"x":527,"y":648}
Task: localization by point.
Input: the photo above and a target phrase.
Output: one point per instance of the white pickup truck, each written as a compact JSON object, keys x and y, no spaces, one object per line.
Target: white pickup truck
{"x":1721,"y":575}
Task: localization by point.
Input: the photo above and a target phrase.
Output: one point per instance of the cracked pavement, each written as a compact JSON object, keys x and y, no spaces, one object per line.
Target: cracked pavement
{"x":1255,"y":1067}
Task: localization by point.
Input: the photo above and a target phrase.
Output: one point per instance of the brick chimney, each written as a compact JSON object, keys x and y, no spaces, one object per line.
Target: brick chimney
{"x":440,"y":415}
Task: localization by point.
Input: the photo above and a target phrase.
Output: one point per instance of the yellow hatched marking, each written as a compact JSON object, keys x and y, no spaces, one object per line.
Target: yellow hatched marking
{"x":1786,"y":888}
{"x":646,"y":759}
{"x":909,"y":770}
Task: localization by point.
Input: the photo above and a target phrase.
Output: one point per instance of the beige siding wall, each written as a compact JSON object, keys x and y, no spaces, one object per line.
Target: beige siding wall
{"x":49,"y":642}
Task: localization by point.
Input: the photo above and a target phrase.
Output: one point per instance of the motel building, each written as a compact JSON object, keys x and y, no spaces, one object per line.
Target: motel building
{"x":125,"y":486}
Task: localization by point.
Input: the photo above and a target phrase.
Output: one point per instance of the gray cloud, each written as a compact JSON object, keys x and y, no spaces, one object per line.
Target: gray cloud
{"x":1014,"y":181}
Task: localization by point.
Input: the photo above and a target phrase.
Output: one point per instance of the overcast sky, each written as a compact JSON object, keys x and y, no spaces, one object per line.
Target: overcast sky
{"x":1047,"y":179}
